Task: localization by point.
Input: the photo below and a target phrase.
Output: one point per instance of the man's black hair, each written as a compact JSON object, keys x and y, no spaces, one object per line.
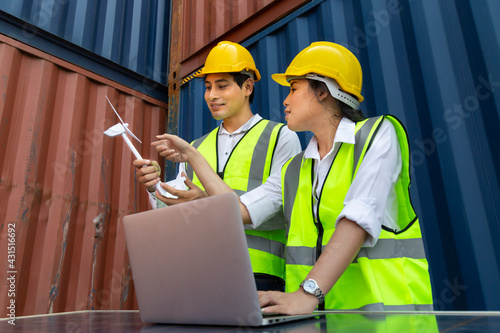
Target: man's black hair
{"x":240,"y":78}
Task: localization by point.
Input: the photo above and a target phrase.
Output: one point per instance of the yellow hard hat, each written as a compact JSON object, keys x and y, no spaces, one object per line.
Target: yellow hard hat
{"x":229,"y":57}
{"x":330,"y":60}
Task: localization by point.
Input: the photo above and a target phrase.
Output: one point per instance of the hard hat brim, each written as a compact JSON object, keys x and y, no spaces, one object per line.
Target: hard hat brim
{"x":203,"y":73}
{"x":281,"y":79}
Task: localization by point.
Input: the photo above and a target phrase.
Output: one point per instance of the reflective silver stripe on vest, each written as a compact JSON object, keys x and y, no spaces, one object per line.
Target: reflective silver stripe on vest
{"x":412,"y":248}
{"x":394,"y":248}
{"x":406,"y":307}
{"x":266,"y":245}
{"x":255,"y":178}
{"x":291,"y":186}
{"x":239,"y":192}
{"x":360,"y":140}
{"x":196,"y":144}
{"x":300,"y":255}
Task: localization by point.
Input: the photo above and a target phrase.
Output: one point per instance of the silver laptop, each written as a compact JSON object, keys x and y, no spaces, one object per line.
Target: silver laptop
{"x":190,"y":265}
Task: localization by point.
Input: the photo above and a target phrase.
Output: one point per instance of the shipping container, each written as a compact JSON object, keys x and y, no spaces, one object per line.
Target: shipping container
{"x":64,"y":186}
{"x":206,"y":22}
{"x":133,"y":34}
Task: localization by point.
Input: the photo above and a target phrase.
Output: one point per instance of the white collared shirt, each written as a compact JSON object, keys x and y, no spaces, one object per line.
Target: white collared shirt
{"x":288,"y":146}
{"x":371,"y":198}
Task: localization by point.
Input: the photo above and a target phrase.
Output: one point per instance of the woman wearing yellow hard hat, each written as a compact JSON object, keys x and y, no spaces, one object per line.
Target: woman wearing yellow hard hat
{"x":353,"y":238}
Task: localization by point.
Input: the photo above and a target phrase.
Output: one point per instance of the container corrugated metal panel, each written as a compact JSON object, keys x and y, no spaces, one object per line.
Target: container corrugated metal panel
{"x":64,"y":186}
{"x":205,"y":21}
{"x":433,"y":64}
{"x":133,"y":34}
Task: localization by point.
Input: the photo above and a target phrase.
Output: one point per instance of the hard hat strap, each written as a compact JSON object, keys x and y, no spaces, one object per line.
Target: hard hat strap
{"x":333,"y":88}
{"x":249,"y":73}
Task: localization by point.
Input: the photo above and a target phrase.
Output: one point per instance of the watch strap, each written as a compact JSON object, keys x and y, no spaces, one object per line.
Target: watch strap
{"x":316,"y":292}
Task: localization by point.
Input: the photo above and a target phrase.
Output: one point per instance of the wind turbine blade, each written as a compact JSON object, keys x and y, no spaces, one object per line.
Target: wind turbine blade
{"x":115,"y":110}
{"x":128,"y":131}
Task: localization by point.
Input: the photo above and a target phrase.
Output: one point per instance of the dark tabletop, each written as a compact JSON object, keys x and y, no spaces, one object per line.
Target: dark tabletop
{"x":130,"y":321}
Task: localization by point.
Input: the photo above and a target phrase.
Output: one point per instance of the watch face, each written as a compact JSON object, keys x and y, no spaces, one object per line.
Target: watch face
{"x":309,"y":285}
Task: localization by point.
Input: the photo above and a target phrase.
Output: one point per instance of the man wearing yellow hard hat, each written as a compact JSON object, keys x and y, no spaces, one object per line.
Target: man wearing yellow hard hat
{"x":353,"y":240}
{"x":244,"y":150}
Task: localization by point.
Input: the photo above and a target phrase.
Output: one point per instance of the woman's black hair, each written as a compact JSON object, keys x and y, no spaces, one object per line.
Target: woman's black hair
{"x":240,"y":78}
{"x":346,"y":110}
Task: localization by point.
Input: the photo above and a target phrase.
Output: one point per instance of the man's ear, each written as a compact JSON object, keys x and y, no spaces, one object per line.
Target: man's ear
{"x":248,"y":86}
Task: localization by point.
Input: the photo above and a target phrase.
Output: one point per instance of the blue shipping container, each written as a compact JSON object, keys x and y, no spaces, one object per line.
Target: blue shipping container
{"x":133,"y":34}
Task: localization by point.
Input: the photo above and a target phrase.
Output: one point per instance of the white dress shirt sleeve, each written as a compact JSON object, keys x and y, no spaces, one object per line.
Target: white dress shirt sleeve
{"x":370,"y":199}
{"x":264,"y":202}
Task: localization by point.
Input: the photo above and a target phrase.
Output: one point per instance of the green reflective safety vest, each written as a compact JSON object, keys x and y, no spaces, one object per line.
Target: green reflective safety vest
{"x":392,"y":275}
{"x":248,"y":166}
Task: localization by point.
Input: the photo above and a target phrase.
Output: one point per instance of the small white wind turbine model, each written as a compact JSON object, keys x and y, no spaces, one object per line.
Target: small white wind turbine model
{"x":122,"y":129}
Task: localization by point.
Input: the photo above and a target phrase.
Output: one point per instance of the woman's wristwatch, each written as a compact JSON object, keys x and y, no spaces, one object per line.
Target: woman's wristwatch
{"x":311,"y":287}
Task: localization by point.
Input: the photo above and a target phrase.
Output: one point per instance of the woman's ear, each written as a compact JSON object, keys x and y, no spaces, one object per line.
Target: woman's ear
{"x":322,"y":94}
